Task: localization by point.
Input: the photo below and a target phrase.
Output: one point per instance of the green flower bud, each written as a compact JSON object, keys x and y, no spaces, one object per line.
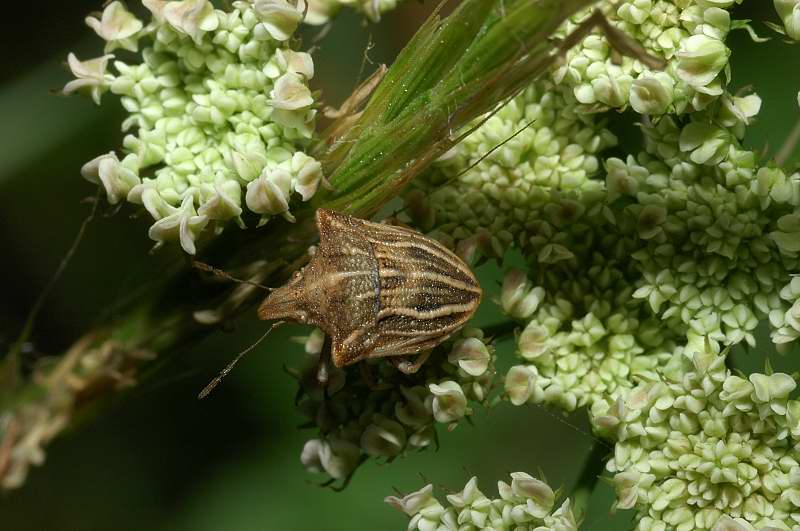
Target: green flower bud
{"x":652,"y":95}
{"x":706,"y":143}
{"x":787,"y":237}
{"x":700,"y":59}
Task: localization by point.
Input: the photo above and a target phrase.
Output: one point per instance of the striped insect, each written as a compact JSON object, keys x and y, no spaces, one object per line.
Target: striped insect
{"x":376,"y":290}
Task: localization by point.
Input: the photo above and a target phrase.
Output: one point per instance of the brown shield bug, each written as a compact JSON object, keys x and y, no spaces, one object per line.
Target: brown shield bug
{"x":376,"y":290}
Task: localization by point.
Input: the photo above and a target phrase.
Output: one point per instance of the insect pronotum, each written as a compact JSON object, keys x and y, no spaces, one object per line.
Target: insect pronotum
{"x":376,"y":290}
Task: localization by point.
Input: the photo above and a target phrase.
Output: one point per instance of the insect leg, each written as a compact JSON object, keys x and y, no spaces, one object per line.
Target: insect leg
{"x":406,"y":366}
{"x":323,"y":369}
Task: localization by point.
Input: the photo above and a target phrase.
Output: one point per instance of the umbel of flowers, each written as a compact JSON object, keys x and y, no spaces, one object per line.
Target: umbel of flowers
{"x":527,"y":504}
{"x":628,"y":258}
{"x":707,"y":449}
{"x":377,"y":411}
{"x":219,"y":111}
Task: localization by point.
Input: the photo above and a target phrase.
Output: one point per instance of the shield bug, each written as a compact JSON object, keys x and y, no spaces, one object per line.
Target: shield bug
{"x":376,"y":290}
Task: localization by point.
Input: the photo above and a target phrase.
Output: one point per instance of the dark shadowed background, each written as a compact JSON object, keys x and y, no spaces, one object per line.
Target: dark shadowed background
{"x":159,"y":459}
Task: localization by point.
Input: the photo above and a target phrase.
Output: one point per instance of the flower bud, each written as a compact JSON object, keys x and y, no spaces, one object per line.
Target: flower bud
{"x":471,"y":355}
{"x":278,"y":17}
{"x":517,"y":298}
{"x":448,"y":402}
{"x":383,"y":438}
{"x":520,"y":383}
{"x":339,"y":458}
{"x":789,"y":12}
{"x":700,"y":59}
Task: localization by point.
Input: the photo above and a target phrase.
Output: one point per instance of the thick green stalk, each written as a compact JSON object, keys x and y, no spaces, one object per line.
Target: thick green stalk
{"x":590,"y":475}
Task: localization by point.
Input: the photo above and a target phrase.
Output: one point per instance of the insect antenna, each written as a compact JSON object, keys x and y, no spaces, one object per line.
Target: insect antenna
{"x":219,"y":273}
{"x":215,"y":382}
{"x":30,"y":320}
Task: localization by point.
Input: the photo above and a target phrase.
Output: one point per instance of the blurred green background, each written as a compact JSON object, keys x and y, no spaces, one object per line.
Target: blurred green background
{"x":159,"y":459}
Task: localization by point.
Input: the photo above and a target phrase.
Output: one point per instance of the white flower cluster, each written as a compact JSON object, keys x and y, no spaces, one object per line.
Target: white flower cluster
{"x":688,"y":34}
{"x":525,"y":505}
{"x":687,"y":243}
{"x":218,"y":108}
{"x":322,"y":11}
{"x":382,"y":413}
{"x":706,"y":449}
{"x":721,"y":234}
{"x":583,"y":340}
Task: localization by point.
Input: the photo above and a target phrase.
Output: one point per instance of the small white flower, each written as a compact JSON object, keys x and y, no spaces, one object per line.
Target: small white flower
{"x":118,"y":178}
{"x":651,"y":95}
{"x":626,"y":485}
{"x":471,"y":355}
{"x":517,"y":297}
{"x":700,"y":59}
{"x":225,"y":202}
{"x":117,"y":26}
{"x":520,"y":383}
{"x":91,"y":76}
{"x":156,"y":7}
{"x":726,"y":523}
{"x":190,"y":17}
{"x":412,"y":411}
{"x":182,"y":224}
{"x":314,"y":342}
{"x":279,"y":18}
{"x":383,"y":438}
{"x":295,"y":62}
{"x":147,"y":194}
{"x":269,"y":194}
{"x":789,"y":11}
{"x":310,"y":455}
{"x":339,"y":458}
{"x":308,"y":172}
{"x":413,"y":502}
{"x":291,"y":93}
{"x":449,"y":403}
{"x":540,"y":498}
{"x":321,"y":11}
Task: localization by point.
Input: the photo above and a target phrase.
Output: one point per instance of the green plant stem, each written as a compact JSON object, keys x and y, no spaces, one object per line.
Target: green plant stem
{"x":587,"y":481}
